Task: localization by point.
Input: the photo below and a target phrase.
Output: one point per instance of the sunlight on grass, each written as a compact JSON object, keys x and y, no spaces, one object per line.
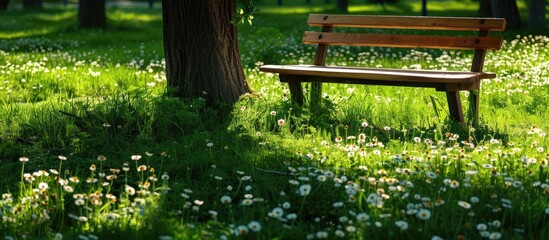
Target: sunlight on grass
{"x":132,"y":16}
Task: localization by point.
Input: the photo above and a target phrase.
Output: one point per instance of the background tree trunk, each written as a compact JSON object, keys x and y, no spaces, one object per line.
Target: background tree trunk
{"x":424,"y":8}
{"x":4,"y":4}
{"x":343,"y":5}
{"x":279,"y":2}
{"x":91,"y":14}
{"x":32,"y":4}
{"x":201,"y":50}
{"x":501,"y":9}
{"x":506,"y":9}
{"x":485,"y":8}
{"x":536,"y":16}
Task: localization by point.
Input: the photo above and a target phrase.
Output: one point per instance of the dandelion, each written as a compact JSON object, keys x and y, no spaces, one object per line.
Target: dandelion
{"x":474,"y":199}
{"x":276,"y":212}
{"x":286,"y":205}
{"x":125,"y":167}
{"x":403,"y":225}
{"x":431,"y":175}
{"x":141,"y":168}
{"x":43,"y":186}
{"x":247,"y":202}
{"x":351,"y":229}
{"x":464,"y":204}
{"x":68,"y":189}
{"x":305,"y":190}
{"x":246,"y":178}
{"x":79,"y":202}
{"x":225,"y":199}
{"x":423,"y":214}
{"x":454,"y":184}
{"x":482,"y":227}
{"x":129,"y":190}
{"x":362,"y":217}
{"x":242,"y":230}
{"x":495,"y":235}
{"x":321,"y":234}
{"x":254,"y":226}
{"x":339,"y":233}
{"x":165,"y":176}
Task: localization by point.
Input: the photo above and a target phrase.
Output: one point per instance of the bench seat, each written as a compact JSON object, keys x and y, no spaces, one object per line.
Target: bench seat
{"x":378,"y":74}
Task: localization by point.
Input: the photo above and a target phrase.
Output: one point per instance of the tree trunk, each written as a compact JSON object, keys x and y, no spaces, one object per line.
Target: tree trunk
{"x":342,"y":5}
{"x":536,"y":16}
{"x":506,"y":9}
{"x":485,"y":8}
{"x":4,"y":4}
{"x":32,"y":4}
{"x":501,"y":9}
{"x":279,"y":2}
{"x":424,"y":8}
{"x":201,"y":50}
{"x":91,"y":14}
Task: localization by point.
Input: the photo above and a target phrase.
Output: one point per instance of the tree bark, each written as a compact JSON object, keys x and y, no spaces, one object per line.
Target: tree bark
{"x":32,"y":4}
{"x":485,"y":8}
{"x":424,"y":8}
{"x":279,"y":2}
{"x":91,"y":14}
{"x":4,"y":4}
{"x":343,"y":5}
{"x":536,"y":16}
{"x":506,"y":9}
{"x":201,"y":51}
{"x":501,"y":9}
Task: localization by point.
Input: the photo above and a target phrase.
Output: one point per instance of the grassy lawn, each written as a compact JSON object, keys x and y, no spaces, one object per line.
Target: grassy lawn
{"x":90,"y":147}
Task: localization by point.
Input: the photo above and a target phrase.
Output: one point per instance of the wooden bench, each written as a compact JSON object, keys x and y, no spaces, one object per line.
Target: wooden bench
{"x":452,"y":82}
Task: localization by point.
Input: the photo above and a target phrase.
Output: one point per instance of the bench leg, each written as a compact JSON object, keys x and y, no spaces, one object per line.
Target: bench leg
{"x":454,"y":105}
{"x":473,"y":107}
{"x":296,"y":91}
{"x":316,"y":96}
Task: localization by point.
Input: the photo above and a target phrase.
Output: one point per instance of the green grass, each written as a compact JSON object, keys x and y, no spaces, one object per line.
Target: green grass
{"x":371,"y":166}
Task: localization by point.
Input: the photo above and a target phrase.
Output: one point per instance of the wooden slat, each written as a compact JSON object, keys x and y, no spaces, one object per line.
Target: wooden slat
{"x":408,"y":22}
{"x":404,"y":41}
{"x":388,"y":74}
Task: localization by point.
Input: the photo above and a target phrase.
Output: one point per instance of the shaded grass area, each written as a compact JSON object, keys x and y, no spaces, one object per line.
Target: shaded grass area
{"x":374,"y":159}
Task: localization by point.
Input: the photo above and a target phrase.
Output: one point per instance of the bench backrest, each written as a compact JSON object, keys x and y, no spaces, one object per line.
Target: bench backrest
{"x":480,"y":42}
